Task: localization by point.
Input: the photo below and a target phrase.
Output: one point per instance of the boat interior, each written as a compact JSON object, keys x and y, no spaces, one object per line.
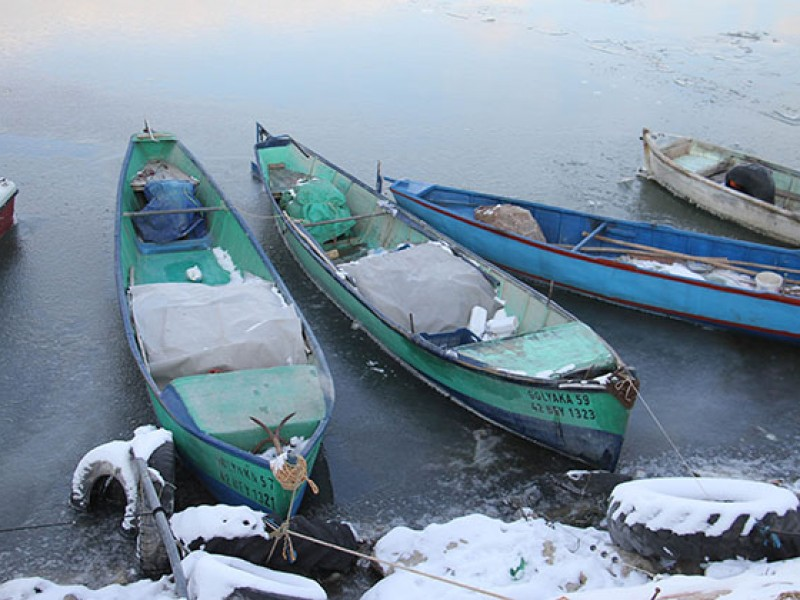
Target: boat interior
{"x":713,"y":163}
{"x":470,"y":311}
{"x":693,"y":255}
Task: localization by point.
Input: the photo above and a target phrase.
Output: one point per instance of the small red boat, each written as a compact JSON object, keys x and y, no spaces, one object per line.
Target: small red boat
{"x":8,"y":191}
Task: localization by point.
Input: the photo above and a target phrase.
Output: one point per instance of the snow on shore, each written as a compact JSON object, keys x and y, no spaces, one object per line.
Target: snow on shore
{"x":469,"y":557}
{"x":527,"y":559}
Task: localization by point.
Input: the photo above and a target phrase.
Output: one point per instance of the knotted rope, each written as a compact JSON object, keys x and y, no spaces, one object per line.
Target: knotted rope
{"x":291,"y":473}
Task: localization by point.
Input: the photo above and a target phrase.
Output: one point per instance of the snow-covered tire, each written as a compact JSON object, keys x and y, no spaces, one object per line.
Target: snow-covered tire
{"x":699,"y":519}
{"x":150,"y":549}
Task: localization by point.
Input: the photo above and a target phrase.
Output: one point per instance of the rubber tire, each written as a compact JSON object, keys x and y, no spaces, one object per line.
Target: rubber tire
{"x":774,"y":537}
{"x":152,"y":554}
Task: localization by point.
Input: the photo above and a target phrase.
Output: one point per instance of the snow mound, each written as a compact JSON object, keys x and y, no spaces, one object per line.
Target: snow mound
{"x":525,"y":559}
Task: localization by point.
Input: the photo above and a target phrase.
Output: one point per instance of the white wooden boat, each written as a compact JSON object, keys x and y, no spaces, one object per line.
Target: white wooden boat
{"x":695,"y":170}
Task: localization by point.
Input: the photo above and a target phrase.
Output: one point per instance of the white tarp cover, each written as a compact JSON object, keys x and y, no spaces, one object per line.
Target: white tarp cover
{"x":192,"y":328}
{"x":427,"y":281}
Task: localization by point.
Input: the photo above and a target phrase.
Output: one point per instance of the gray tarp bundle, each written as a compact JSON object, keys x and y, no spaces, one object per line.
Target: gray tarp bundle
{"x":192,"y":328}
{"x":427,"y":281}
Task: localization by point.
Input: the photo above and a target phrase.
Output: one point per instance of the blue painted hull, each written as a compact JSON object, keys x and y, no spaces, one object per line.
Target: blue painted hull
{"x":599,"y":274}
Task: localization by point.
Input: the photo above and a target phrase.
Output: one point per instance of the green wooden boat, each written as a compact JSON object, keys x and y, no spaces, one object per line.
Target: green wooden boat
{"x":231,"y":366}
{"x":490,"y":343}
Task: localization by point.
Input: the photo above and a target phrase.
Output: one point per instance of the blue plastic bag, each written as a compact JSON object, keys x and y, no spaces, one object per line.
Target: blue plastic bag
{"x":169,"y":195}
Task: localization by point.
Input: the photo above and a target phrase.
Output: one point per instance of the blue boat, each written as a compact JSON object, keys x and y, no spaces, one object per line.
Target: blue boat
{"x":714,"y":281}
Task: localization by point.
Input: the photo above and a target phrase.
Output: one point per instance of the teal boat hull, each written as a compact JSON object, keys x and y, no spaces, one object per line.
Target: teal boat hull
{"x":210,"y":412}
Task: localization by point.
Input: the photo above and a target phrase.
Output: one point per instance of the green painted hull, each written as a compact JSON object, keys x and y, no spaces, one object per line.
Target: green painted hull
{"x":582,"y":417}
{"x":209,"y":413}
{"x":460,"y":381}
{"x":232,"y":477}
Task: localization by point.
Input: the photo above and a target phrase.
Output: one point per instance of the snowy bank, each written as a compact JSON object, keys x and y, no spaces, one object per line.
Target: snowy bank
{"x":527,"y":559}
{"x":535,"y":559}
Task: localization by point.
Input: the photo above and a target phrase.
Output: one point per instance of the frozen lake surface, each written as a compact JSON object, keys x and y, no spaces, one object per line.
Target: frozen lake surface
{"x":544,"y":100}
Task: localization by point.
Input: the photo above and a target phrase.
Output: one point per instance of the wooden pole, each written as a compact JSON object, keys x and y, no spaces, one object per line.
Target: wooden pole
{"x":718,"y":261}
{"x":643,"y":250}
{"x":340,"y":220}
{"x":172,"y":211}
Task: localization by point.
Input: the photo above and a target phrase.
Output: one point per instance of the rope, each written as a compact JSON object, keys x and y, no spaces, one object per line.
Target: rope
{"x":34,"y":527}
{"x":254,"y":215}
{"x":675,"y":449}
{"x":666,"y":436}
{"x":292,"y":474}
{"x":288,"y":532}
{"x":282,"y":534}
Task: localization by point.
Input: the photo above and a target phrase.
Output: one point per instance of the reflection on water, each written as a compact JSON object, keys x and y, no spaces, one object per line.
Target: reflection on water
{"x":542,"y":100}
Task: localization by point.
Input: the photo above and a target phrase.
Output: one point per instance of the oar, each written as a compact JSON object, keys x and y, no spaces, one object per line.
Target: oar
{"x":721,"y":262}
{"x":704,"y":259}
{"x":644,"y":254}
{"x":762,"y":267}
{"x":663,"y":255}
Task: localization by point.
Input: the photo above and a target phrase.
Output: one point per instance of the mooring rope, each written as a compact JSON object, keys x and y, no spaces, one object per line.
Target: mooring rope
{"x":39,"y":526}
{"x":291,"y":474}
{"x":286,"y":531}
{"x":254,"y":215}
{"x":661,"y":428}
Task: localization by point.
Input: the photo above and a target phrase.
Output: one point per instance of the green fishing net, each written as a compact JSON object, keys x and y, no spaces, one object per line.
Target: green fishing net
{"x":317,"y":201}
